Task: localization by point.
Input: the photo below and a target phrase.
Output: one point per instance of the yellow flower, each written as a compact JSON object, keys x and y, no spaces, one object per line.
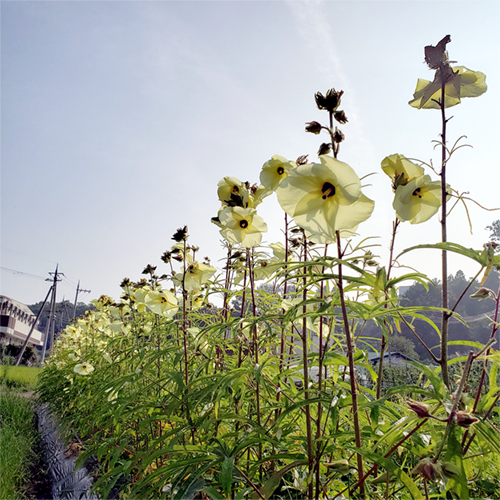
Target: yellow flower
{"x":197,"y":274}
{"x":138,"y":296}
{"x":278,"y":251}
{"x":274,"y":171}
{"x":162,"y":302}
{"x":400,"y":170}
{"x":324,"y":198}
{"x":84,"y":368}
{"x":460,"y":82}
{"x":242,"y":225}
{"x":231,"y":191}
{"x":418,"y":200}
{"x":258,"y":193}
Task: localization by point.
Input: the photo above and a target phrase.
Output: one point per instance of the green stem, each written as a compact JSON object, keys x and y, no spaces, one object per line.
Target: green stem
{"x":457,"y":399}
{"x":256,"y":347}
{"x":444,"y":256}
{"x":352,"y":373}
{"x":383,"y":345}
{"x":305,"y":369}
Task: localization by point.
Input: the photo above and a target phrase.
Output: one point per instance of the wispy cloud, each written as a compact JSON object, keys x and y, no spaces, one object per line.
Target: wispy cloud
{"x":314,"y":27}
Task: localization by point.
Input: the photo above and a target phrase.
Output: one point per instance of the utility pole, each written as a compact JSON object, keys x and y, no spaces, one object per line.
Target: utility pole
{"x":78,"y":290}
{"x":21,"y":352}
{"x":49,"y":332}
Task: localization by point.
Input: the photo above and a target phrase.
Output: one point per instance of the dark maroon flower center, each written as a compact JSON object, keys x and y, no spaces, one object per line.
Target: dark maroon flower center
{"x":328,"y":190}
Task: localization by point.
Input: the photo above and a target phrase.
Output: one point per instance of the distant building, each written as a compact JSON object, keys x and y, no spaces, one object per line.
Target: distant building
{"x":390,"y":359}
{"x":16,"y":320}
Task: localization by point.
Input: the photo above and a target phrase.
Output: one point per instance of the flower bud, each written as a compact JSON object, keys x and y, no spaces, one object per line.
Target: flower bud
{"x":482,"y":293}
{"x":428,"y":469}
{"x":181,"y":234}
{"x":330,"y":102}
{"x":338,"y":136}
{"x":166,"y":257}
{"x":149,"y":269}
{"x":301,"y":160}
{"x":464,"y":419}
{"x":313,"y":127}
{"x":324,"y":149}
{"x":340,"y":117}
{"x":420,"y":409}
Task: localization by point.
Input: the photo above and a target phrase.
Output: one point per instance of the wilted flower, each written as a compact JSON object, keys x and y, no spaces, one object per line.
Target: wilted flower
{"x":83,"y":368}
{"x":460,"y":82}
{"x":274,"y":171}
{"x":242,"y":226}
{"x":437,"y":56}
{"x":324,"y":198}
{"x":418,"y":200}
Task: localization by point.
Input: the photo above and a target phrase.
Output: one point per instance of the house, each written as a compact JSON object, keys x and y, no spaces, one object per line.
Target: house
{"x":16,"y":320}
{"x":391,"y":358}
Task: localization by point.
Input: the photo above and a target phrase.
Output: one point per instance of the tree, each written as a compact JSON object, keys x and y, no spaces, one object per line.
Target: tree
{"x":63,"y":313}
{"x":403,"y":345}
{"x":494,"y":230}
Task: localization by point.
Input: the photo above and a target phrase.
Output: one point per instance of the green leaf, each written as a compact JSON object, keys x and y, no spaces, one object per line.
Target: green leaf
{"x":458,"y":482}
{"x":226,"y":476}
{"x":479,"y":256}
{"x":213,"y":493}
{"x":273,"y":482}
{"x":389,"y":465}
{"x":490,"y":436}
{"x":193,"y":488}
{"x":469,"y":343}
{"x":437,"y":382}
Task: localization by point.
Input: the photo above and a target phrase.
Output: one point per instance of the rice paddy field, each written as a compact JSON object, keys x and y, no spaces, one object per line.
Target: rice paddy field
{"x":20,"y":378}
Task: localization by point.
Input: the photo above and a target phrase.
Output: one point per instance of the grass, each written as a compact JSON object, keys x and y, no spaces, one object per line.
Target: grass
{"x":19,"y":451}
{"x":20,"y":378}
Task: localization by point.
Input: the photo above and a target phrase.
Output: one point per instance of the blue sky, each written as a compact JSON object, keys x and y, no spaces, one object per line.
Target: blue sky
{"x":119,"y":118}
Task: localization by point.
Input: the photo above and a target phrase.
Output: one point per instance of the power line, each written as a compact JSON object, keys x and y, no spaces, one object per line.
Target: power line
{"x":21,"y":272}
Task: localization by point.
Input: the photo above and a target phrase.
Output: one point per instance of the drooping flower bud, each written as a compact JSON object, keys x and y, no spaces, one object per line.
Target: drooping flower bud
{"x":428,"y":469}
{"x":338,"y":136}
{"x":324,"y":148}
{"x":340,"y":117}
{"x":313,"y":127}
{"x":482,"y":293}
{"x":465,"y":419}
{"x":421,"y":409}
